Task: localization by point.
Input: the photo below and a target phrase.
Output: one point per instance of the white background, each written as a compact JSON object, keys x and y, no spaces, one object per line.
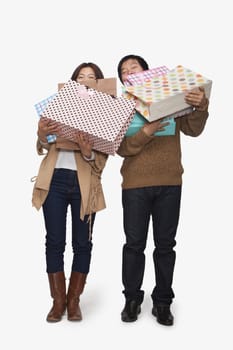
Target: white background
{"x":42,"y":42}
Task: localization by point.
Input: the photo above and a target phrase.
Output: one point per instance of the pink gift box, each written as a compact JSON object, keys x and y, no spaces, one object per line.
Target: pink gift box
{"x":102,"y":117}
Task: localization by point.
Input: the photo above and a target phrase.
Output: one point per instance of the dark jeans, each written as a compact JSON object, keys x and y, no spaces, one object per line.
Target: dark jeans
{"x":163,"y":204}
{"x":64,"y":191}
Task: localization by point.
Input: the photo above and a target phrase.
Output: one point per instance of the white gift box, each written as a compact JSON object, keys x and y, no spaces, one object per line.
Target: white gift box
{"x":165,"y":94}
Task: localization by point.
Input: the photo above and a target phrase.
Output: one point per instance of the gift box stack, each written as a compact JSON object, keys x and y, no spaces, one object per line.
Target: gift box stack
{"x":143,"y":113}
{"x":102,"y":117}
{"x":159,"y":93}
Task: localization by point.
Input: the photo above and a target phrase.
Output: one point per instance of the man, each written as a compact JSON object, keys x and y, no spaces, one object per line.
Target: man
{"x":151,"y":187}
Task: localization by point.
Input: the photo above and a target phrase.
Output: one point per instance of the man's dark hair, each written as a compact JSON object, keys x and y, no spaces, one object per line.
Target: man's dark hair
{"x":140,"y":60}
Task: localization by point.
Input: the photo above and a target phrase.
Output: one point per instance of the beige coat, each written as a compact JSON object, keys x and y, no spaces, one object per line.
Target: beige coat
{"x":89,"y":176}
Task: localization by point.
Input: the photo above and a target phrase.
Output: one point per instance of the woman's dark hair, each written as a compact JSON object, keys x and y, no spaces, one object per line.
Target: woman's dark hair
{"x":96,"y":69}
{"x":140,"y":60}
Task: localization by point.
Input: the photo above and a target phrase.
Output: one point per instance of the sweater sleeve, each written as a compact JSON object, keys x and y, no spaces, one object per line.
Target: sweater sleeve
{"x":132,"y":145}
{"x":194,"y":123}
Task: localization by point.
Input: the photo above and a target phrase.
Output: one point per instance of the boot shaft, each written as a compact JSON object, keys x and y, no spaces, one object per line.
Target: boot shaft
{"x":76,"y":286}
{"x":57,"y":285}
{"x":77,"y":283}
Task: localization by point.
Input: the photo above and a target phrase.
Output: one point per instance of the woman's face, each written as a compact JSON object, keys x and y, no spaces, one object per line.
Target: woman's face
{"x":129,"y":67}
{"x":86,"y":73}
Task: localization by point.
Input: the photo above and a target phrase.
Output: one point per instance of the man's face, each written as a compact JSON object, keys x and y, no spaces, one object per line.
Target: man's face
{"x":129,"y":67}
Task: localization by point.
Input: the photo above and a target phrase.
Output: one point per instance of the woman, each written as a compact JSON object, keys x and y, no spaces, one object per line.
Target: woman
{"x":70,"y":174}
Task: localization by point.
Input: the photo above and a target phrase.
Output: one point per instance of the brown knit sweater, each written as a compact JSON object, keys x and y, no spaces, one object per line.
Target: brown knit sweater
{"x":156,"y":160}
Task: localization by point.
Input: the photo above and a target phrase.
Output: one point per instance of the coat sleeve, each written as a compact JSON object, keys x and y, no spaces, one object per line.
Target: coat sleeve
{"x":40,"y":148}
{"x":98,"y":163}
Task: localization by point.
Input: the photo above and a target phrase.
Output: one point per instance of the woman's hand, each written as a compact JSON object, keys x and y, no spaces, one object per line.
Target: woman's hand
{"x":197,"y":99}
{"x":84,"y":144}
{"x":157,"y":125}
{"x":46,"y":127}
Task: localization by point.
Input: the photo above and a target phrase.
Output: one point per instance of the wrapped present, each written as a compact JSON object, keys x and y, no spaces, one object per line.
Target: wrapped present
{"x":40,"y":107}
{"x":145,"y":77}
{"x":138,"y":122}
{"x":140,"y":106}
{"x":107,"y":85}
{"x":164,"y":95}
{"x":102,"y":117}
{"x":141,"y":77}
{"x":144,"y":109}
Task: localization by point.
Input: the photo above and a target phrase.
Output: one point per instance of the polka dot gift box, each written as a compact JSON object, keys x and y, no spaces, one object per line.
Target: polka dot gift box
{"x":140,"y":106}
{"x":165,"y":94}
{"x":145,"y":77}
{"x":140,"y":78}
{"x":104,"y":118}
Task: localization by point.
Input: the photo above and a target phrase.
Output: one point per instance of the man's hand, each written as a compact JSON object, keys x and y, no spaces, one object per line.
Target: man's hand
{"x":157,"y":125}
{"x":197,"y":99}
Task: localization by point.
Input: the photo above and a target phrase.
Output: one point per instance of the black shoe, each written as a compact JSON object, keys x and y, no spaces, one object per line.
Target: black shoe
{"x":163,"y":314}
{"x":130,"y":311}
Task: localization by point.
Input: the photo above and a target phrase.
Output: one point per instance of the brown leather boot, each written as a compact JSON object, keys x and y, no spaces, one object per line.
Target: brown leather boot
{"x":58,"y":293}
{"x":76,"y":285}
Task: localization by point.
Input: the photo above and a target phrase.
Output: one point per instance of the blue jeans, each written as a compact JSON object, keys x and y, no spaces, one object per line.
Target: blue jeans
{"x":139,"y":204}
{"x":64,"y":191}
